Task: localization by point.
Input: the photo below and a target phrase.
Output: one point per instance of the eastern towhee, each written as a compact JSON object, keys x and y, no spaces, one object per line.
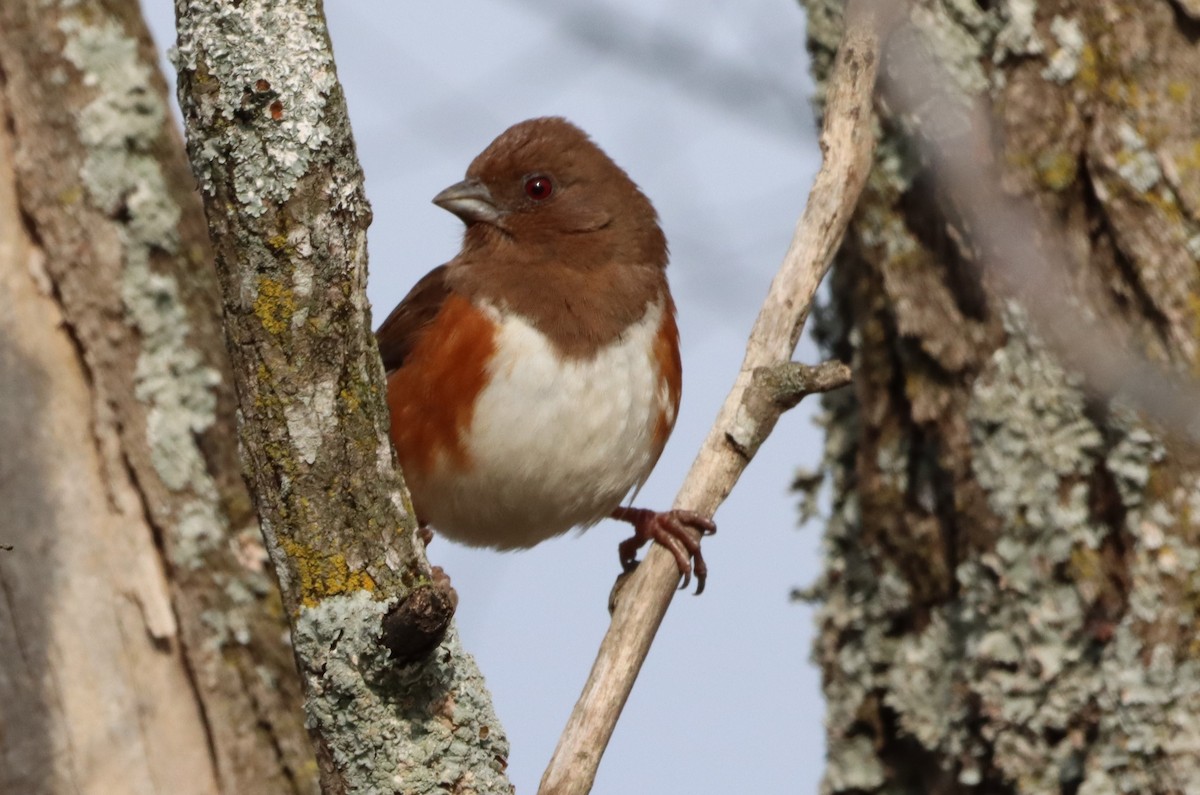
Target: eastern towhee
{"x":533,"y":380}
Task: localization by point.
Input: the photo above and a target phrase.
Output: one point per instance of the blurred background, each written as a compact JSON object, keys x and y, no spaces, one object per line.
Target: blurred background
{"x":707,"y":106}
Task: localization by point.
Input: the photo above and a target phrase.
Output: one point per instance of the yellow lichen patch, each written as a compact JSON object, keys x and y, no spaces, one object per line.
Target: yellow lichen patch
{"x":71,"y":195}
{"x":1087,"y":570}
{"x":1193,"y":308}
{"x":274,"y":305}
{"x":197,"y":254}
{"x":1089,"y":68}
{"x":262,"y":394}
{"x":323,"y":575}
{"x":1057,"y":170}
{"x":1115,"y":91}
{"x":1189,"y":160}
{"x":1164,"y":201}
{"x":1178,"y":91}
{"x":1136,"y":94}
{"x":277,"y":243}
{"x":349,"y":400}
{"x":273,"y":605}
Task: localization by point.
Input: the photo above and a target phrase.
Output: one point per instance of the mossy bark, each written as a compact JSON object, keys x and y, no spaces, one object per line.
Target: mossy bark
{"x":1010,"y":598}
{"x":142,"y":641}
{"x":270,"y":145}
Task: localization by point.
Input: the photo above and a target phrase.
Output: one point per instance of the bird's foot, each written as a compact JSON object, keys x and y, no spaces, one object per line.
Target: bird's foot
{"x":669,"y":528}
{"x":425,"y":534}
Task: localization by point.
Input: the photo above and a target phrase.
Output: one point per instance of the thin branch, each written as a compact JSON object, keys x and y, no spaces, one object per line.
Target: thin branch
{"x":848,"y":143}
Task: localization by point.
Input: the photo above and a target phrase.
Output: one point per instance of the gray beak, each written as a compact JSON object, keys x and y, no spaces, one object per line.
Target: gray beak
{"x":470,"y":200}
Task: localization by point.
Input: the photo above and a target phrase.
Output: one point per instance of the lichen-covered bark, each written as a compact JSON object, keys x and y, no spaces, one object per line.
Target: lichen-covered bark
{"x":271,"y":148}
{"x":1010,"y":599}
{"x":138,"y":604}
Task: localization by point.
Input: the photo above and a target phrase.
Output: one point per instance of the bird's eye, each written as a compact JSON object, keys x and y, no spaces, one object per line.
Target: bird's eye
{"x":539,"y":188}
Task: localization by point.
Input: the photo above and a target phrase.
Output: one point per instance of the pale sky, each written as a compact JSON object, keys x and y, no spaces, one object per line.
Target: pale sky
{"x":706,"y":105}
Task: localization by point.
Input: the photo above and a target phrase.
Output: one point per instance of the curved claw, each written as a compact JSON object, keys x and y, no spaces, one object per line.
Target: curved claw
{"x":668,"y":528}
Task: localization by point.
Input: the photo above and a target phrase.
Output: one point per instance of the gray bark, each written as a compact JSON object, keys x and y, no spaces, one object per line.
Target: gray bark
{"x":270,"y":146}
{"x":1010,"y":602}
{"x":141,"y":646}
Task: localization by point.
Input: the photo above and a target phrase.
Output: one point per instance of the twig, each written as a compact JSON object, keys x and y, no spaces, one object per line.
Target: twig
{"x":848,"y":143}
{"x":776,"y":390}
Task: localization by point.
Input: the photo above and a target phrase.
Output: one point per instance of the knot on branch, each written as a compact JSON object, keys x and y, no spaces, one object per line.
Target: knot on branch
{"x":418,"y":623}
{"x":785,"y":385}
{"x":772,"y":391}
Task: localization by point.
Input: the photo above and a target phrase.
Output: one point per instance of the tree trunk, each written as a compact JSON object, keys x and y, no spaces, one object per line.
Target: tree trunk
{"x":1010,"y":602}
{"x":392,"y":697}
{"x":142,"y":646}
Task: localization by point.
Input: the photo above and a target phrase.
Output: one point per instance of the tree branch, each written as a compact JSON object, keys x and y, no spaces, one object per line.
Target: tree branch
{"x":270,"y":145}
{"x":746,"y":418}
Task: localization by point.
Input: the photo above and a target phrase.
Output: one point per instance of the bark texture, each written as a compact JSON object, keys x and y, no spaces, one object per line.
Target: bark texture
{"x":270,"y":145}
{"x":1010,"y":602}
{"x":142,"y":647}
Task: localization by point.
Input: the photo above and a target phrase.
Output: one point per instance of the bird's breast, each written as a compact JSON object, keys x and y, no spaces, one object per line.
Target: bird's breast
{"x":552,"y":442}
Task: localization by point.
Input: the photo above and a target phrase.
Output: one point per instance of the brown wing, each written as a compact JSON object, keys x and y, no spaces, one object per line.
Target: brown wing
{"x":399,"y":333}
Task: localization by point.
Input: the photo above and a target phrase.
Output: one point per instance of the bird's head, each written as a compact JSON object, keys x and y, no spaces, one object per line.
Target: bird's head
{"x":543,"y":184}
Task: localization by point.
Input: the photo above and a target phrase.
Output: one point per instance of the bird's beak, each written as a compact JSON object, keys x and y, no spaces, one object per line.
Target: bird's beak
{"x":470,"y":200}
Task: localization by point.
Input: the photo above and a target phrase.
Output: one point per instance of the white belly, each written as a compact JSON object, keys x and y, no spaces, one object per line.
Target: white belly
{"x":552,"y":445}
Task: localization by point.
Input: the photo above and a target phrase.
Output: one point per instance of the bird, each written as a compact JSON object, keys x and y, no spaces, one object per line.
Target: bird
{"x":533,"y":380}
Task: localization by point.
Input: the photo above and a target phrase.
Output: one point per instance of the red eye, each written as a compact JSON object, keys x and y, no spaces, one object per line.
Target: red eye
{"x":539,"y":188}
